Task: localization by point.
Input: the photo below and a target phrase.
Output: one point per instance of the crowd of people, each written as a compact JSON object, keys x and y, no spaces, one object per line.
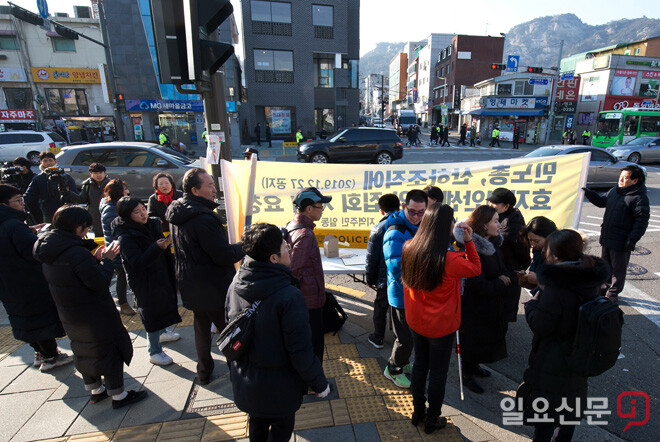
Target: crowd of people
{"x":433,"y":274}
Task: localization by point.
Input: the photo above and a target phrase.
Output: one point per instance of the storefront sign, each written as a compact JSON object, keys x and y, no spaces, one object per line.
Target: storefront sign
{"x":623,"y":85}
{"x":569,"y":121}
{"x":625,"y":73}
{"x":568,"y":90}
{"x":65,"y":75}
{"x":651,"y":74}
{"x":280,"y":121}
{"x":231,"y":106}
{"x":653,"y":63}
{"x":585,"y":119}
{"x":613,"y":102}
{"x":12,"y":74}
{"x":103,"y":74}
{"x":565,"y":107}
{"x":516,"y":102}
{"x":17,"y":116}
{"x":165,"y":105}
{"x":601,"y":62}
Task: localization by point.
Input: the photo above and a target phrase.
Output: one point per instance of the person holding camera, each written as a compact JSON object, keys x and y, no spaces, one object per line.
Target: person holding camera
{"x":51,"y":189}
{"x":25,"y":176}
{"x":91,"y":194}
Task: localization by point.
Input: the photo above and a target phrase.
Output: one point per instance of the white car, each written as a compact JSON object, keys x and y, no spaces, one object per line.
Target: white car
{"x":29,"y":144}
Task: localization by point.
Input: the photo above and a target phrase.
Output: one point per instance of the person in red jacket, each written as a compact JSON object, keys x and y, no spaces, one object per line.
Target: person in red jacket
{"x":432,"y":297}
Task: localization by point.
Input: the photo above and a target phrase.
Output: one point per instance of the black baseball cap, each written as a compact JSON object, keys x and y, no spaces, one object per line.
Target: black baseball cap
{"x":502,"y":195}
{"x":309,"y":196}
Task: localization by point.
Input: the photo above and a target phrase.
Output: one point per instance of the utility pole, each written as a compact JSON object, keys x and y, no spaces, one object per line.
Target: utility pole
{"x":26,"y":64}
{"x":382,"y":98}
{"x":555,"y":80}
{"x":111,"y":73}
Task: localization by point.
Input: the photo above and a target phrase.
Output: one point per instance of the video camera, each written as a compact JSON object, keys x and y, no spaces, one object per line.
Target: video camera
{"x":9,"y":173}
{"x":57,"y":176}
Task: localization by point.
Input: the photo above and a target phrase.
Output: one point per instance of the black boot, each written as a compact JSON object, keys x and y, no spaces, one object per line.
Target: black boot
{"x":472,"y":385}
{"x":418,"y":416}
{"x":434,"y":423}
{"x":481,"y":372}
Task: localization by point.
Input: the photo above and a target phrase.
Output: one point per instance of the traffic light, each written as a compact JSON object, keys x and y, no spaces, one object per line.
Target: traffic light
{"x":534,"y":70}
{"x":66,"y":32}
{"x":496,"y":67}
{"x":181,"y":29}
{"x":26,"y":16}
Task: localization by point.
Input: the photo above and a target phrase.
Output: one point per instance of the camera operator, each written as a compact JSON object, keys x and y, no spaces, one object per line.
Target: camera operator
{"x":24,"y":177}
{"x":51,"y":189}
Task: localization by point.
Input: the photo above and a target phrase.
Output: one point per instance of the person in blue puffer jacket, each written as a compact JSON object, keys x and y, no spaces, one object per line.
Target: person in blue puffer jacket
{"x":400,"y":227}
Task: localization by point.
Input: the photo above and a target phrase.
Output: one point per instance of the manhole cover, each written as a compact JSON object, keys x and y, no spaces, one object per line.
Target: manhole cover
{"x":635,"y":270}
{"x":639,"y":250}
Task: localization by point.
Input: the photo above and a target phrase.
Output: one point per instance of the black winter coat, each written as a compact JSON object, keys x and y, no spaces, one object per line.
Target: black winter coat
{"x":23,"y":288}
{"x":43,"y":195}
{"x":157,"y":208}
{"x":79,"y":285}
{"x":376,"y":270}
{"x":626,"y":215}
{"x":553,"y":320}
{"x":150,"y":272}
{"x":280,"y":362}
{"x":91,"y":194}
{"x":204,"y":259}
{"x":483,"y":304}
{"x":516,"y":255}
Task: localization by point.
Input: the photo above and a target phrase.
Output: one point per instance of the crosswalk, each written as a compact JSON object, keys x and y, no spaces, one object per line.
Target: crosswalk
{"x":591,"y":226}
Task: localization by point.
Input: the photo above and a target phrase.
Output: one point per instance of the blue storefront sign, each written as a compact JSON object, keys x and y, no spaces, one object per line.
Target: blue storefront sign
{"x":231,"y":106}
{"x":165,"y":105}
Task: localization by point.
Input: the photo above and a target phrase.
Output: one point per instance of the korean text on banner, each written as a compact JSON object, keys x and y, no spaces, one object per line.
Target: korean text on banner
{"x":543,"y":186}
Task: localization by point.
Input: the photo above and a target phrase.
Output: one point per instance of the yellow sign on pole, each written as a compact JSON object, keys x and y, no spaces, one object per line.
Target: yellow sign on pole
{"x":65,"y":75}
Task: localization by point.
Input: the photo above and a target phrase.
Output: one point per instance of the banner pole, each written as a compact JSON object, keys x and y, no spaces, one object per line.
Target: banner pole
{"x":249,"y":202}
{"x":577,"y":213}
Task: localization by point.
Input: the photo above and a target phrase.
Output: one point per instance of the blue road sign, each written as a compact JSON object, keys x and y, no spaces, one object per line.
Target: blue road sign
{"x":42,"y":5}
{"x":512,"y":62}
{"x":567,"y":76}
{"x":538,"y":81}
{"x":569,"y":121}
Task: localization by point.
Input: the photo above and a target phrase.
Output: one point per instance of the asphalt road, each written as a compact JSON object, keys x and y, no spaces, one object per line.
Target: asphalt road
{"x":639,"y":365}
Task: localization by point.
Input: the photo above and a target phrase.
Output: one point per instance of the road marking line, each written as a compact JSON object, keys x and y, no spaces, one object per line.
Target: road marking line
{"x":590,"y":231}
{"x":595,"y":217}
{"x":347,"y":290}
{"x":650,"y":308}
{"x":589,"y":224}
{"x":657,"y":273}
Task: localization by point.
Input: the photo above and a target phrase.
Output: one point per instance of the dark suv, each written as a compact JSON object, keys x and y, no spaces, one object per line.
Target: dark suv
{"x":354,"y":145}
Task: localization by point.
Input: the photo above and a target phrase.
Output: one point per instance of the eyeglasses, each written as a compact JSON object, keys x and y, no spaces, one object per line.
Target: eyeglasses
{"x":319,"y":207}
{"x":414,"y":213}
{"x":17,"y":200}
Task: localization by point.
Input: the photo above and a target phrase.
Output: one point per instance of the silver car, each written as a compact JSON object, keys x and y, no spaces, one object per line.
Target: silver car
{"x":604,"y":169}
{"x":134,"y":162}
{"x":638,"y":150}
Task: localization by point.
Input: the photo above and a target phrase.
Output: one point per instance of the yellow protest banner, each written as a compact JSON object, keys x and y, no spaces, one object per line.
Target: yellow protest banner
{"x":543,"y":186}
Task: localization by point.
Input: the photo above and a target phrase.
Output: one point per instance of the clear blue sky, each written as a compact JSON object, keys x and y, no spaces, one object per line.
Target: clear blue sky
{"x":396,"y":20}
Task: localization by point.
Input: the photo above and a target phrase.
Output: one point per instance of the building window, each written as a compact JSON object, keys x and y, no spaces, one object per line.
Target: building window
{"x":282,"y":120}
{"x":353,"y":71}
{"x":273,"y":66}
{"x":523,"y":88}
{"x":271,"y":18}
{"x":324,"y":119}
{"x":67,"y":101}
{"x":638,"y":51}
{"x":8,"y":43}
{"x":64,"y":45}
{"x":504,"y":89}
{"x":322,"y":19}
{"x":18,"y":98}
{"x":324,"y":71}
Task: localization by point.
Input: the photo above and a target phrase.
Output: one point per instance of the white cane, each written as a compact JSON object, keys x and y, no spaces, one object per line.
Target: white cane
{"x":460,"y":366}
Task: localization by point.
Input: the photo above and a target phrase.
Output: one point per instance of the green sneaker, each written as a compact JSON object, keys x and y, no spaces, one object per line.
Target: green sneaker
{"x":408,"y":368}
{"x":400,"y":380}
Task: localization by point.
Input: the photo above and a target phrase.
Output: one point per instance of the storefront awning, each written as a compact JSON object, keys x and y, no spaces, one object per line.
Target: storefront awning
{"x":519,"y":112}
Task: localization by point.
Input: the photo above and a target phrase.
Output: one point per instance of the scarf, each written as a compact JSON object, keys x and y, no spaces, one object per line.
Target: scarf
{"x":165,"y":197}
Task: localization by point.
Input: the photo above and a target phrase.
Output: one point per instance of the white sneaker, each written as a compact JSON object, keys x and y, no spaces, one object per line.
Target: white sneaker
{"x":169,"y":336}
{"x":60,"y":359}
{"x":160,"y":359}
{"x":38,"y":359}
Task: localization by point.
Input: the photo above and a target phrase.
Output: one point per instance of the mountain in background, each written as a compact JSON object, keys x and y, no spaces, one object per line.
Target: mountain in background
{"x":537,"y":41}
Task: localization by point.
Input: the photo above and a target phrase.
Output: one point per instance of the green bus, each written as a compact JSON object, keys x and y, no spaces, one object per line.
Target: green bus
{"x":620,"y":126}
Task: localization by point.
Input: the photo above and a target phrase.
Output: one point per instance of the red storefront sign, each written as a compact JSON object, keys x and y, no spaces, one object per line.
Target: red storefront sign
{"x":625,"y":73}
{"x":618,"y":102}
{"x":567,"y":90}
{"x":651,"y":74}
{"x":17,"y":116}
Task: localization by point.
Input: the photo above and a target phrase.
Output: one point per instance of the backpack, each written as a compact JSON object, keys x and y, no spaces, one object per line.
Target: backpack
{"x":597,"y":342}
{"x":236,"y":337}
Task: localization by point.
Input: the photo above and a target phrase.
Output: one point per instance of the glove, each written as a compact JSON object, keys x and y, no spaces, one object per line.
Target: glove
{"x":629,"y":246}
{"x":586,"y":189}
{"x":324,"y":393}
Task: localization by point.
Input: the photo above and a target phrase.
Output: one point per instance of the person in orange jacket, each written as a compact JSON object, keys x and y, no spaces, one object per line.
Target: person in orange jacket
{"x":432,"y":297}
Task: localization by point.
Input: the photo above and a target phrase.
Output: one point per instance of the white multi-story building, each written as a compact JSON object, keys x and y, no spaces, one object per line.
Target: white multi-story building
{"x":426,"y":58}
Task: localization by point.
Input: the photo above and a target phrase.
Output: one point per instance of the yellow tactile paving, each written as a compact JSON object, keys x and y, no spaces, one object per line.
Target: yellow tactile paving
{"x":331,"y":338}
{"x":132,"y":323}
{"x":384,"y":386}
{"x":314,"y":415}
{"x":346,"y":290}
{"x":448,"y":434}
{"x":354,"y":386}
{"x":398,"y":430}
{"x":185,"y":430}
{"x":97,"y":436}
{"x":362,"y":366}
{"x":336,"y":351}
{"x":225,"y":427}
{"x":138,"y":433}
{"x":367,"y":409}
{"x":186,"y":317}
{"x":340,"y":412}
{"x":334,"y":368}
{"x":400,"y":406}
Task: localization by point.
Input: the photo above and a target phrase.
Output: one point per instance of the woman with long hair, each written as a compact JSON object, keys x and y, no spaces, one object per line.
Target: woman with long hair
{"x":535,"y":234}
{"x":164,"y":193}
{"x":113,"y":191}
{"x":483,"y":313}
{"x":569,"y":278}
{"x":431,"y":272}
